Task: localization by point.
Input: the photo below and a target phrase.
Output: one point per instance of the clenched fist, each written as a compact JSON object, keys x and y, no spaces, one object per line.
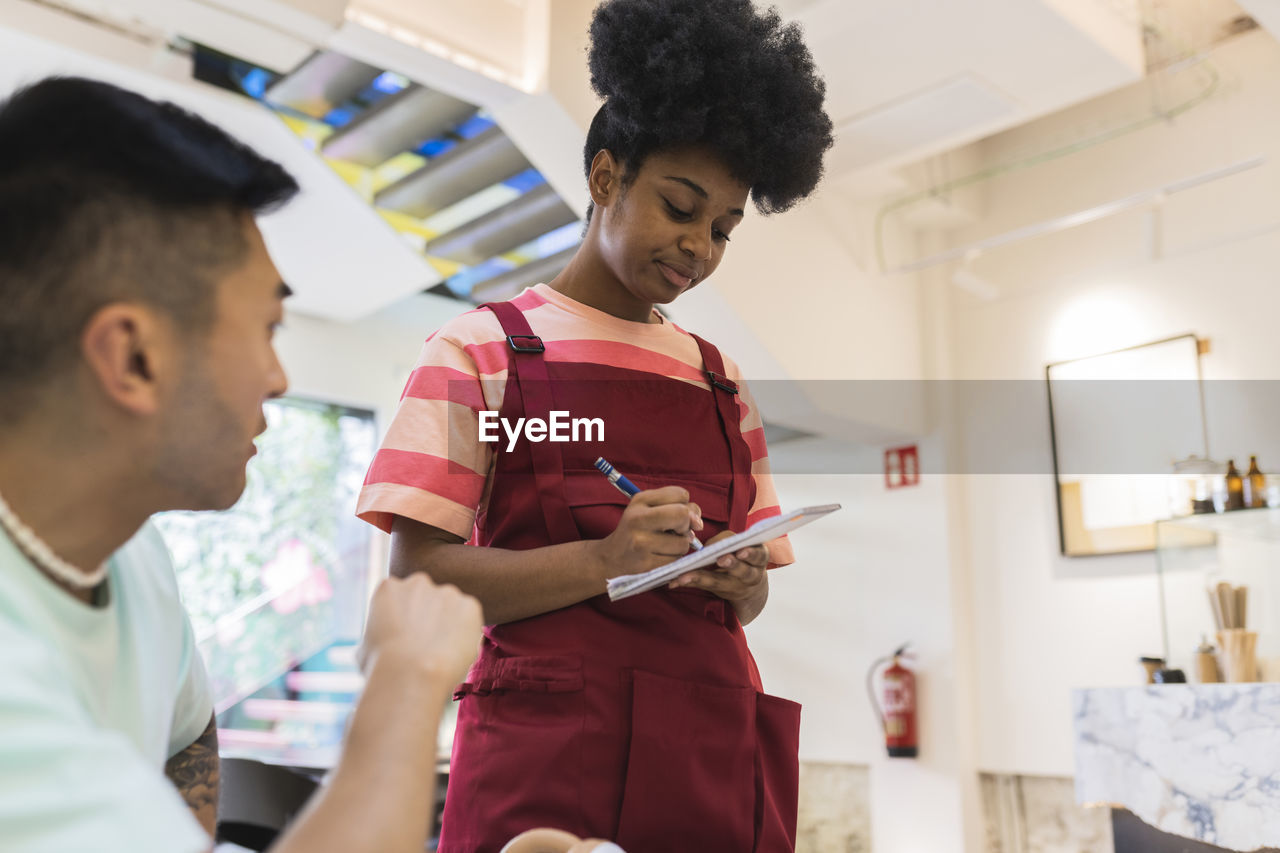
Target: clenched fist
{"x":414,"y":620}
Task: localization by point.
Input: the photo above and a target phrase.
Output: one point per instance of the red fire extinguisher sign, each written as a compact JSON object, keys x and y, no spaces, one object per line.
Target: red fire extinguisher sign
{"x":902,"y":467}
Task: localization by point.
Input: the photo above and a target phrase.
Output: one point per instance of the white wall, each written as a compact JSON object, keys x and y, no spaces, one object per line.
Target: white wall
{"x":1046,"y":624}
{"x":968,"y":566}
{"x":363,"y":364}
{"x":867,"y":579}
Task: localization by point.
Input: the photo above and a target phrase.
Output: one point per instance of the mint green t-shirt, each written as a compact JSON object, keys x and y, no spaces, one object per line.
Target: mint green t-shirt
{"x":93,"y":701}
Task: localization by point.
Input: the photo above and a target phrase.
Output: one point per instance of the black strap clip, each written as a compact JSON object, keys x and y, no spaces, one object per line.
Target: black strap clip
{"x":533,"y":343}
{"x":724,"y":383}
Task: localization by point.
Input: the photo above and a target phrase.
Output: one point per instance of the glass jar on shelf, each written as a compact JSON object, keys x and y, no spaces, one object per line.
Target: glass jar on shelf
{"x":1196,"y":487}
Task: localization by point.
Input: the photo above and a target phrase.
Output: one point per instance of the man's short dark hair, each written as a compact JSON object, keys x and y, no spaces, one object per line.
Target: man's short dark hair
{"x":105,"y":196}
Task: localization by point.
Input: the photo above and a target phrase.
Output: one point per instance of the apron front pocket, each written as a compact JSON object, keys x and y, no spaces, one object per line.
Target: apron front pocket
{"x":517,"y":758}
{"x":777,"y":772}
{"x":691,"y":768}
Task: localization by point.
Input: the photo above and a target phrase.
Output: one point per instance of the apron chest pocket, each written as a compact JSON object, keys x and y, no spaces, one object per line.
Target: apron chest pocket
{"x":596,"y":504}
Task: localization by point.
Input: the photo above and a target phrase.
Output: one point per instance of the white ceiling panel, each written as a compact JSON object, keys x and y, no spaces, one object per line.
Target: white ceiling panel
{"x":944,"y":111}
{"x":910,"y":78}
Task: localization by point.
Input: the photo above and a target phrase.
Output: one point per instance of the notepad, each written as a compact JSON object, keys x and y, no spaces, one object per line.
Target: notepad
{"x":762,"y":531}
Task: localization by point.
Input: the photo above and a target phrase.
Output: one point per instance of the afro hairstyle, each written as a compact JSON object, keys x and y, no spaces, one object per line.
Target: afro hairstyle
{"x":714,"y":73}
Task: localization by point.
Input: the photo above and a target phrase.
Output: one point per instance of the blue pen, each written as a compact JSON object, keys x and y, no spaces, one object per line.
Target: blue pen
{"x":629,"y":489}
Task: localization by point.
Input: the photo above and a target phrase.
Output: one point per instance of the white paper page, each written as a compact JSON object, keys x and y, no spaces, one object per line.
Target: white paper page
{"x":762,"y":531}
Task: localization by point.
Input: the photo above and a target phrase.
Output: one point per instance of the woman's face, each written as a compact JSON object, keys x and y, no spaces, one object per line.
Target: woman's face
{"x":666,"y":231}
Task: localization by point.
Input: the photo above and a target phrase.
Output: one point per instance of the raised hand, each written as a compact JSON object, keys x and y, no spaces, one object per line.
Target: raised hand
{"x":415,"y":620}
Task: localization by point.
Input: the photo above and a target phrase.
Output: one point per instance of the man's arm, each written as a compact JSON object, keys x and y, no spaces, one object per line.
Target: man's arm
{"x":194,"y":772}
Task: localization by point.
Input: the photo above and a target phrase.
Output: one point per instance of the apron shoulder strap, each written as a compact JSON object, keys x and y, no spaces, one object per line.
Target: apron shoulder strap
{"x":529,"y":393}
{"x":741,"y":484}
{"x":520,"y":336}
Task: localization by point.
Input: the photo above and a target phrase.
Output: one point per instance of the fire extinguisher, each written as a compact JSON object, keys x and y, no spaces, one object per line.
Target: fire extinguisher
{"x":896,"y":703}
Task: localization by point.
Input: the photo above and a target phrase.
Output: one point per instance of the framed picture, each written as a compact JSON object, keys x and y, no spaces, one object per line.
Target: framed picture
{"x":1118,"y":422}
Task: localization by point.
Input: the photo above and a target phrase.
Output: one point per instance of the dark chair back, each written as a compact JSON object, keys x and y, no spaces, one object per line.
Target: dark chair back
{"x":258,"y":800}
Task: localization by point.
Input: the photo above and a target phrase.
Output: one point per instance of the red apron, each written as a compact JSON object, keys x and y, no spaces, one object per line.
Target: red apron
{"x":643,"y":720}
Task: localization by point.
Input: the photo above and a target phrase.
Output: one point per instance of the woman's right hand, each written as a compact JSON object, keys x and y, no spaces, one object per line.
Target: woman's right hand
{"x":654,"y":530}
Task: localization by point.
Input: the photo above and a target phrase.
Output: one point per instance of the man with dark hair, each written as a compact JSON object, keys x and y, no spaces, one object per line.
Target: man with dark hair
{"x":138,"y":305}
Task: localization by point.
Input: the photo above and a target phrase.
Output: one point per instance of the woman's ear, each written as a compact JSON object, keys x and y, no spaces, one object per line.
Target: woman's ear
{"x":605,"y":178}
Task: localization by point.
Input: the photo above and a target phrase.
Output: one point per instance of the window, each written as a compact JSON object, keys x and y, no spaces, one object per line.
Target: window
{"x":282,"y":578}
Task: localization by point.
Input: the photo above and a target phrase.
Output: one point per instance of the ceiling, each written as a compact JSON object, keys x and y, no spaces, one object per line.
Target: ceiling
{"x":470,"y":217}
{"x":437,"y":168}
{"x":907,"y":80}
{"x":910,"y":79}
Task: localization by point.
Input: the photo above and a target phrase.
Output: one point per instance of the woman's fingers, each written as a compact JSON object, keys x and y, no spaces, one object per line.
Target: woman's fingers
{"x":677,"y":517}
{"x":651,"y":513}
{"x":734,"y":576}
{"x":659,"y":497}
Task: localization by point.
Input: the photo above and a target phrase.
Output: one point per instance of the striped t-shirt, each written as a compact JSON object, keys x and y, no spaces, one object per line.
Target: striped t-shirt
{"x":432,"y":466}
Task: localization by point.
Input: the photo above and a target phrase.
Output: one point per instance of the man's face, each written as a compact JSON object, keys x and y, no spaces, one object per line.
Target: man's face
{"x":230,"y":372}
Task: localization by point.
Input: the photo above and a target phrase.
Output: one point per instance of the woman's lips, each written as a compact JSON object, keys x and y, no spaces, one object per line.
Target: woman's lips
{"x":674,"y":276}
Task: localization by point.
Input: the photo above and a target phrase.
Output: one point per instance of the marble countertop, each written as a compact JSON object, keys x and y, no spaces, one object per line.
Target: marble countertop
{"x":1197,"y":760}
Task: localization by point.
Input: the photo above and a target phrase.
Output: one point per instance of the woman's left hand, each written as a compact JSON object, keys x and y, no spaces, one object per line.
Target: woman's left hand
{"x":740,"y":578}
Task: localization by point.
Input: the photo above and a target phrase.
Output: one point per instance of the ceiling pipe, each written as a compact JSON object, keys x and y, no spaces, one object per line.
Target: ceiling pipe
{"x":1080,"y":217}
{"x":1162,"y":116}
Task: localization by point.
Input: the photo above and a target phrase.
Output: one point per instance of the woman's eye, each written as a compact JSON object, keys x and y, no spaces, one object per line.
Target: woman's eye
{"x":719,"y":235}
{"x":677,"y":212}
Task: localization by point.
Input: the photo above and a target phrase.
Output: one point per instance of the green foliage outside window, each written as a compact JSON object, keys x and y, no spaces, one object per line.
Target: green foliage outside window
{"x":284,"y":572}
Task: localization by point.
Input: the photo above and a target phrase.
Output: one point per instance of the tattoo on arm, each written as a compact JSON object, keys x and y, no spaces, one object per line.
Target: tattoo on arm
{"x":194,"y":772}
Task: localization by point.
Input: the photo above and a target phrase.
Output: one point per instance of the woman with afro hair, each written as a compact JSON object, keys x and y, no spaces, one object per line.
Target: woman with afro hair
{"x":643,"y":720}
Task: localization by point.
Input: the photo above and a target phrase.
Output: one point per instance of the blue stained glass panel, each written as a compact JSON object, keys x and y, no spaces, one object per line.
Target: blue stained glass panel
{"x":339,"y":116}
{"x":474,"y":126}
{"x":255,"y":82}
{"x":462,"y":282}
{"x":526,"y":180}
{"x":435,"y":147}
{"x":389,"y":82}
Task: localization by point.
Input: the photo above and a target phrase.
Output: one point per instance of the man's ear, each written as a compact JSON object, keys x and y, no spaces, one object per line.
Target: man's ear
{"x":605,"y":179}
{"x":128,"y":349}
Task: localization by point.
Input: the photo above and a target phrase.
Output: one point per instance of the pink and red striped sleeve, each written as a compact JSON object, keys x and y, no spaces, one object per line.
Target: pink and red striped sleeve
{"x":766,"y":502}
{"x":432,"y":466}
